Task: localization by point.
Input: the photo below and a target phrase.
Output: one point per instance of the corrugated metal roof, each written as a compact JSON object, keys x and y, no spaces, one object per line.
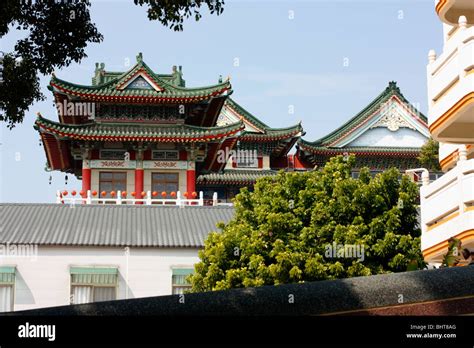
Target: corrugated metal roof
{"x":109,"y":225}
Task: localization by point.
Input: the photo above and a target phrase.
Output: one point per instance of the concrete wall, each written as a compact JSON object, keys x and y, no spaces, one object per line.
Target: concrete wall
{"x":44,"y":280}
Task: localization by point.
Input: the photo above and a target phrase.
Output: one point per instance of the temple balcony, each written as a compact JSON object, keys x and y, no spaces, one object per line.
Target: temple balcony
{"x":447,"y":210}
{"x":451,"y":88}
{"x":450,"y":10}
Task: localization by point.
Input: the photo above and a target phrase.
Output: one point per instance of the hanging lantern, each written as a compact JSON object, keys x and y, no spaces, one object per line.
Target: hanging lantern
{"x":163,"y":194}
{"x":133,"y":194}
{"x":94,"y":193}
{"x":124,"y":194}
{"x":73,"y":192}
{"x":194,"y":194}
{"x":173,"y":194}
{"x":82,"y":193}
{"x":64,"y":193}
{"x":154,"y":193}
{"x":103,"y":193}
{"x":143,"y":194}
{"x":185,"y":194}
{"x":112,"y":194}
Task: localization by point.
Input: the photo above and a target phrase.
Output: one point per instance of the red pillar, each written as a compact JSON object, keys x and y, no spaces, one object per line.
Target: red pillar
{"x":139,"y":183}
{"x":86,"y":179}
{"x":191,"y":179}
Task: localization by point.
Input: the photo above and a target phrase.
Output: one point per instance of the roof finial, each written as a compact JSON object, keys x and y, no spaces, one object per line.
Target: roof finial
{"x":220,"y":79}
{"x":139,"y":57}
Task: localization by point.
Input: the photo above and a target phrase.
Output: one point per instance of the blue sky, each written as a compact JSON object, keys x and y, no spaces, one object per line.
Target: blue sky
{"x":290,"y":55}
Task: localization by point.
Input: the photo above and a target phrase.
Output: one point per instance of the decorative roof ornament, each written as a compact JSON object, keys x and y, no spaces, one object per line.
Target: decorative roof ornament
{"x":393,"y":121}
{"x":140,"y":57}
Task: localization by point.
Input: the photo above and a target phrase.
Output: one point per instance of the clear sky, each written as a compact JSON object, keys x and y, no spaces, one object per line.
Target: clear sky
{"x":326,"y":60}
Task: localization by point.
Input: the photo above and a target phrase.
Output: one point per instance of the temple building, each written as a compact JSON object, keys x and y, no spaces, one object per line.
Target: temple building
{"x":140,"y":134}
{"x":388,"y":132}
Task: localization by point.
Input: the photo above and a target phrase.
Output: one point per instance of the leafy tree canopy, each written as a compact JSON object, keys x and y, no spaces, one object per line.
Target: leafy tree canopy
{"x":293,"y":226}
{"x":56,"y":34}
{"x":429,"y":155}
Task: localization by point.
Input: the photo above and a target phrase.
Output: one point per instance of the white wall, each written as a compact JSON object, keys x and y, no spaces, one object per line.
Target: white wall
{"x":44,"y":281}
{"x":403,"y":137}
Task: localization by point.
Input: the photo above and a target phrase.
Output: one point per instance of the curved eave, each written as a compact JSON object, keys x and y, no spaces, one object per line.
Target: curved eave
{"x":234,"y":177}
{"x":250,"y":118}
{"x":79,"y":132}
{"x":373,"y":151}
{"x":119,"y":96}
{"x":273,"y":134}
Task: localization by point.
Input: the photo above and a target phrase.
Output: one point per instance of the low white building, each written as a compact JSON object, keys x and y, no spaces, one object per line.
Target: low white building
{"x":53,"y":254}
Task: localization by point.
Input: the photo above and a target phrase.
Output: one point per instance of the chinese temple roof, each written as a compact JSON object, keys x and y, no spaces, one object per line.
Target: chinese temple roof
{"x":136,"y":132}
{"x":139,"y":85}
{"x":233,"y":176}
{"x":339,"y":140}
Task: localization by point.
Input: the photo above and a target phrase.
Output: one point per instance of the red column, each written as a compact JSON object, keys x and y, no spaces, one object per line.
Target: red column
{"x":86,"y":179}
{"x":191,"y":179}
{"x":139,"y":183}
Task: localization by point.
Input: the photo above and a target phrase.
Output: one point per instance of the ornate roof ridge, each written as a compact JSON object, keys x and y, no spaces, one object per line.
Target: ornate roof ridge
{"x":391,"y":90}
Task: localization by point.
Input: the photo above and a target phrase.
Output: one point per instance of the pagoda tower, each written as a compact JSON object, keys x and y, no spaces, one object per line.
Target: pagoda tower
{"x":137,"y":133}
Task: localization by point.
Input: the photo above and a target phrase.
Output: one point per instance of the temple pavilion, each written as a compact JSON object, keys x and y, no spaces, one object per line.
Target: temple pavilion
{"x":138,"y":131}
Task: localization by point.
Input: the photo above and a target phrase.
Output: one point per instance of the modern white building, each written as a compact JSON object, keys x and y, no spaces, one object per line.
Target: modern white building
{"x":447,"y":205}
{"x":60,"y":254}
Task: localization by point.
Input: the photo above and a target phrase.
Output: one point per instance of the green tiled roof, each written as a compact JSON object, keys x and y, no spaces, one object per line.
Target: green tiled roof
{"x":233,"y":176}
{"x":268,"y":133}
{"x":247,"y":115}
{"x":308,"y":146}
{"x":134,"y":132}
{"x":391,"y":90}
{"x":172,"y":91}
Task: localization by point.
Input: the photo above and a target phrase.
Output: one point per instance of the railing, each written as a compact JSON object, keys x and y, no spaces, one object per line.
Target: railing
{"x":147,"y":198}
{"x":447,"y":204}
{"x":451,"y":74}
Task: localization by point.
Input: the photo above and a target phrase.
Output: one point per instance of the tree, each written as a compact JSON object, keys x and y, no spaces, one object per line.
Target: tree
{"x":299,"y":227}
{"x":57,"y":34}
{"x":429,"y":155}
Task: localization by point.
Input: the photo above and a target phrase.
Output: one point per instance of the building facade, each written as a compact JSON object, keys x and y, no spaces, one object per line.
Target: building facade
{"x":447,"y":209}
{"x":90,"y":253}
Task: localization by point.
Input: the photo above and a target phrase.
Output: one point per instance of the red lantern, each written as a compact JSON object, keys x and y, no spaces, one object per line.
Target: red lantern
{"x":173,"y":194}
{"x":163,"y":194}
{"x":82,"y":193}
{"x":194,"y":194}
{"x":133,"y":194}
{"x":73,"y":192}
{"x":112,"y":194}
{"x":103,"y":193}
{"x":143,"y":194}
{"x":154,"y":193}
{"x":185,"y":194}
{"x":64,"y":193}
{"x":124,"y":194}
{"x":94,"y":193}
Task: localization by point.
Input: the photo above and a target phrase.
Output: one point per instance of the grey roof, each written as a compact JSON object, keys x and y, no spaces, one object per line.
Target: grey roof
{"x":109,"y":225}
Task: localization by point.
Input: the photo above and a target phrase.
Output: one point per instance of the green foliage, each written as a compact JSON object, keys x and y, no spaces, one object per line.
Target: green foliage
{"x":57,"y":33}
{"x":280,"y":232}
{"x":453,"y":255}
{"x":172,"y":13}
{"x":429,"y":155}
